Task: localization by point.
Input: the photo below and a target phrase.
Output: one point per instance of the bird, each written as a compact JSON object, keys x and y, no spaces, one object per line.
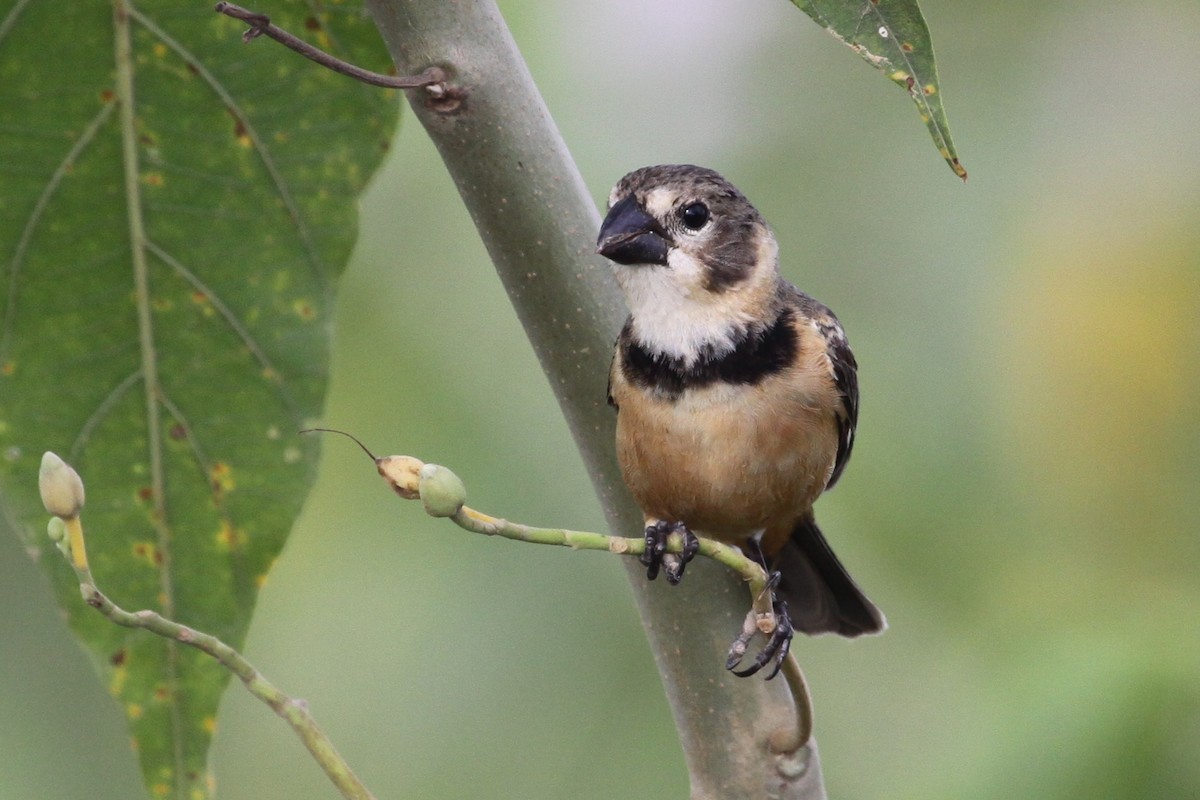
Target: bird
{"x":736,"y":397}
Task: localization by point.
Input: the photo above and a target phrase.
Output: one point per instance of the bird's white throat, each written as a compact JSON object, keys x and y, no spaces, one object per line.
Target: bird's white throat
{"x":674,"y":314}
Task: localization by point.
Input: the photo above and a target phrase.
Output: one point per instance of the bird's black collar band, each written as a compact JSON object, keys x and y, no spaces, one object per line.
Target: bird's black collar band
{"x":757,"y":354}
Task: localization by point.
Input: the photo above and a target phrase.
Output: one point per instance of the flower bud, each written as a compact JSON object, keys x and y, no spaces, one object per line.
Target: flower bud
{"x":403,"y":474}
{"x":61,"y":487}
{"x":442,"y":492}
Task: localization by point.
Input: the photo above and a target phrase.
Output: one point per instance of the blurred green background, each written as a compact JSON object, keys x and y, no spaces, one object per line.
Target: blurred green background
{"x":1023,"y":501}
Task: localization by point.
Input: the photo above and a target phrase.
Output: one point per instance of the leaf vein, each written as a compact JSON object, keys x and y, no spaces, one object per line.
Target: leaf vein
{"x":10,"y":19}
{"x":236,"y":325}
{"x":100,"y":413}
{"x":917,"y":91}
{"x":260,"y":146}
{"x":35,"y":217}
{"x":124,"y":64}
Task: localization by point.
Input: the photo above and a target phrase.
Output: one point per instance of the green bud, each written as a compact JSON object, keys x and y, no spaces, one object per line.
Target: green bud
{"x":57,"y":529}
{"x":442,"y":492}
{"x":61,"y":488}
{"x":60,"y":535}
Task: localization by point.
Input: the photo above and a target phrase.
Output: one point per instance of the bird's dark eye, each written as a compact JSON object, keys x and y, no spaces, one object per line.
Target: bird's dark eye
{"x":694,"y":215}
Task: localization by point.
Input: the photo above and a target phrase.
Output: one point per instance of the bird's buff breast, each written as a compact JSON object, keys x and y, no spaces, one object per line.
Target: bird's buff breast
{"x":726,"y":461}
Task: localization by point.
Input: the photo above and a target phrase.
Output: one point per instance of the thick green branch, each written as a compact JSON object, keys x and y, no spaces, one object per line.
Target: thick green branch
{"x":538,"y":221}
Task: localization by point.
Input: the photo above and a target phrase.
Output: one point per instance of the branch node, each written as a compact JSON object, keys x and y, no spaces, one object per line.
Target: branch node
{"x":618,"y":545}
{"x":792,"y":766}
{"x":442,"y":97}
{"x":258,"y":24}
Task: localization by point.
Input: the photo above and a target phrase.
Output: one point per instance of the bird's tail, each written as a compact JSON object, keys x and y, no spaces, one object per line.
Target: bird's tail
{"x":821,"y":595}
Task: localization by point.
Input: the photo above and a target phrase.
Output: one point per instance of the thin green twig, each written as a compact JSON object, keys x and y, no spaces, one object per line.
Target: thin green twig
{"x":63,"y":495}
{"x":760,"y":616}
{"x":443,"y":495}
{"x":294,"y":712}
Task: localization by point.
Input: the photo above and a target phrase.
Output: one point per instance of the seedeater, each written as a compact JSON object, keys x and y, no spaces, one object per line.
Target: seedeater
{"x":736,"y":395}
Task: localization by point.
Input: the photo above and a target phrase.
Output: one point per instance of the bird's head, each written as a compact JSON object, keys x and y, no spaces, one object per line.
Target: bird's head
{"x":696,"y":261}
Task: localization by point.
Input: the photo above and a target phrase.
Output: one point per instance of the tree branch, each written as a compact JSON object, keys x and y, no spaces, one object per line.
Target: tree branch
{"x":444,"y":495}
{"x":293,"y":711}
{"x":62,"y":494}
{"x":539,"y":223}
{"x":261,"y":25}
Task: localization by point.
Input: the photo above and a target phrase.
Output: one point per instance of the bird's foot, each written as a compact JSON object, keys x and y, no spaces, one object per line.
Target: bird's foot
{"x":656,"y":555}
{"x":777,"y":646}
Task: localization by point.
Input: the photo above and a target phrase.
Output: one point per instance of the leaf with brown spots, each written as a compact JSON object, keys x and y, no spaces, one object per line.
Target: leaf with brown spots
{"x":173,"y":221}
{"x":891,"y":35}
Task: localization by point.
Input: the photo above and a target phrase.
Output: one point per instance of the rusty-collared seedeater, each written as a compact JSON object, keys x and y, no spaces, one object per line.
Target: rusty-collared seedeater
{"x":736,"y":395}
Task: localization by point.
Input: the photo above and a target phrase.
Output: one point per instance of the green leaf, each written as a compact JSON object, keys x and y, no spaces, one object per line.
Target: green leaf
{"x":892,"y":36}
{"x":175,"y":209}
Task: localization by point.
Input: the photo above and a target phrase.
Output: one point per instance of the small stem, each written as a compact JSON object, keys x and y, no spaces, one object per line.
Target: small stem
{"x":784,"y":741}
{"x":790,"y":741}
{"x":260,"y":25}
{"x":294,"y":712}
{"x":443,"y":495}
{"x":477,"y":522}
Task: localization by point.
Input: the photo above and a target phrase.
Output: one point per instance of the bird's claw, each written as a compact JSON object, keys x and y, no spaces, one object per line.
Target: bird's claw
{"x":656,"y":555}
{"x":777,"y":646}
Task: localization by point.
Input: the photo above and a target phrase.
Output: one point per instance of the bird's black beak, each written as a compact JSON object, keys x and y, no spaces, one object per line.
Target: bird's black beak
{"x":631,"y":236}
